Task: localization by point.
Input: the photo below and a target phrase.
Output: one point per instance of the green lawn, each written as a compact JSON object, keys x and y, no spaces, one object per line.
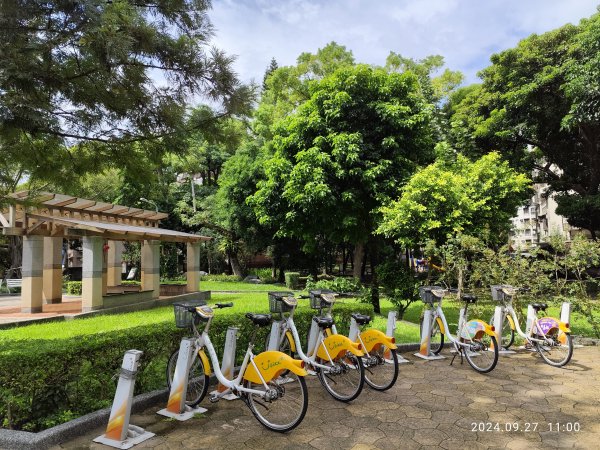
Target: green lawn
{"x":239,"y":286}
{"x":252,"y":301}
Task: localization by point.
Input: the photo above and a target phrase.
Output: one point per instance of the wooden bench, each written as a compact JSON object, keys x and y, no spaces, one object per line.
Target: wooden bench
{"x":12,"y":283}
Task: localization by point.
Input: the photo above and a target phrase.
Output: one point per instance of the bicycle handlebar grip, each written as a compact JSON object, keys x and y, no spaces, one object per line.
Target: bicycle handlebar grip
{"x":453,"y":290}
{"x":224,"y":305}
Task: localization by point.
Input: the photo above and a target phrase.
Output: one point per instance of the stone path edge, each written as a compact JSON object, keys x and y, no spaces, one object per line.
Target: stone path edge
{"x":26,"y":440}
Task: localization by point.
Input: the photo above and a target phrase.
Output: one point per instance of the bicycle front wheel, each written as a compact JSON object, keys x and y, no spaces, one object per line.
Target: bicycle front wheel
{"x":508,"y":334}
{"x":198,"y":380}
{"x":381,"y":368}
{"x":344,"y":378}
{"x":283,"y":406}
{"x":557,"y":350}
{"x":436,"y":339}
{"x":479,"y":354}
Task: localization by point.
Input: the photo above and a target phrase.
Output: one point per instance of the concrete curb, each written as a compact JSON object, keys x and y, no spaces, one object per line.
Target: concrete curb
{"x":28,"y":441}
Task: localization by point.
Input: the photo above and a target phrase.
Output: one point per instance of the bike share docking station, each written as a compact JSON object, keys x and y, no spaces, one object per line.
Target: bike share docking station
{"x":119,"y":432}
{"x":425,"y":345}
{"x":228,"y":363}
{"x":176,"y":407}
{"x":390,"y":331}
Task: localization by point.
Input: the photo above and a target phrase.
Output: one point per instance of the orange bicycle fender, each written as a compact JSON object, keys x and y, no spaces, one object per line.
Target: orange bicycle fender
{"x":205,"y":362}
{"x":290,"y":339}
{"x":511,"y":322}
{"x":441,"y":325}
{"x":336,"y":344}
{"x":271,"y":364}
{"x":373,"y":337}
{"x":474,"y":329}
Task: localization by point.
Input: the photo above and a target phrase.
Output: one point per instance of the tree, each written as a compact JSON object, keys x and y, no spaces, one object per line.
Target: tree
{"x":538,"y":105}
{"x":286,"y":88}
{"x":104,"y":73}
{"x":449,"y":198}
{"x":273,"y":66}
{"x":346,"y":151}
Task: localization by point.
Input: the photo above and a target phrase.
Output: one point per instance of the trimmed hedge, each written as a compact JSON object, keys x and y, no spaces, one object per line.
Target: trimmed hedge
{"x":47,"y":382}
{"x":292,"y":280}
{"x":74,"y":287}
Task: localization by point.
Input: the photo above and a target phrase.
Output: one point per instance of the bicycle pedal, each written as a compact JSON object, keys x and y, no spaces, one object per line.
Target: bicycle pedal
{"x":214,"y":398}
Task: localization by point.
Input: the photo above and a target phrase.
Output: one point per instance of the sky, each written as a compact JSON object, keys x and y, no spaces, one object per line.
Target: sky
{"x":465,"y":32}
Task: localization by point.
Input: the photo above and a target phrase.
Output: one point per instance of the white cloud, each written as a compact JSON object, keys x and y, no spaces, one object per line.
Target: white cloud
{"x":465,"y":32}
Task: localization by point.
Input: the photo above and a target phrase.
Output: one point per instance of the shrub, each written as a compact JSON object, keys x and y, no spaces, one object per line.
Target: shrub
{"x":265,"y":275}
{"x":74,"y":287}
{"x":399,"y":285}
{"x":221,"y":277}
{"x":44,"y":382}
{"x":338,"y":284}
{"x":292,"y":280}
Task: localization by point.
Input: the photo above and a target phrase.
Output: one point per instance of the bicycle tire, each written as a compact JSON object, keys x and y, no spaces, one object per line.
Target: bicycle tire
{"x":380,"y":374}
{"x":482,"y":348}
{"x":198,"y":381}
{"x":349,"y":374}
{"x":285,"y":347}
{"x":435,"y":345}
{"x":544,"y":351}
{"x":507,"y":336}
{"x":296,"y":391}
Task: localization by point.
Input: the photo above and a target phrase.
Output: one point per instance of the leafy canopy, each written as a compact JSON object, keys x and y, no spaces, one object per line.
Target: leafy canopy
{"x":444,"y":199}
{"x":346,"y":151}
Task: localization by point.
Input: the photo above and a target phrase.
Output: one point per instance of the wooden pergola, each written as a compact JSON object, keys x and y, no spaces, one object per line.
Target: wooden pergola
{"x":44,"y":219}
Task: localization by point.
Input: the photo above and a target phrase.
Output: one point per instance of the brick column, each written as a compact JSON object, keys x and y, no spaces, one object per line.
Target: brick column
{"x":151,"y":267}
{"x":92,"y":274}
{"x":33,"y":271}
{"x":52,"y":291}
{"x":193,"y":266}
{"x":115,"y":258}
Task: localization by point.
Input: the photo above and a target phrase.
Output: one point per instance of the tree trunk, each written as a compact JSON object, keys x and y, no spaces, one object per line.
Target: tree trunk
{"x":15,"y":248}
{"x":236,"y":268}
{"x":357,"y":260}
{"x":374,"y":255}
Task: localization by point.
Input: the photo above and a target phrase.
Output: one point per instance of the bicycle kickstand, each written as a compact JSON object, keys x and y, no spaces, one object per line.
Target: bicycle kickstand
{"x":458,"y":351}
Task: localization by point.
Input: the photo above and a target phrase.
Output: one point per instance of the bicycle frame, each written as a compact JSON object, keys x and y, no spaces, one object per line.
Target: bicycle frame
{"x":535,"y":327}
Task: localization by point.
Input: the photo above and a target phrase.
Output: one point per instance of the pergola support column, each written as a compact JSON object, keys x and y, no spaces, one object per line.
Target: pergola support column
{"x":151,"y":267}
{"x":115,"y":258}
{"x":52,"y":291}
{"x":92,"y":274}
{"x":33,"y":271}
{"x":193,"y":266}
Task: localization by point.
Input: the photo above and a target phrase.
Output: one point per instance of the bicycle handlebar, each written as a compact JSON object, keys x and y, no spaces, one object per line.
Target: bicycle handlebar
{"x":223,"y":305}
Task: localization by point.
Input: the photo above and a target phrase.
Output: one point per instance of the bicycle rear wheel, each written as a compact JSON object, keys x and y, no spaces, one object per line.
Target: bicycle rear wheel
{"x":198,"y":380}
{"x":285,"y":406}
{"x":345,"y":377}
{"x":478,"y":353}
{"x":554,"y":352}
{"x":381,"y":368}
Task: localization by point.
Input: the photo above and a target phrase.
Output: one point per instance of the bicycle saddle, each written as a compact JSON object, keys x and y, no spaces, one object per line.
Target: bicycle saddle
{"x":539,"y":306}
{"x":469,"y":298}
{"x":361,"y":319}
{"x":324,"y":322}
{"x":261,"y":320}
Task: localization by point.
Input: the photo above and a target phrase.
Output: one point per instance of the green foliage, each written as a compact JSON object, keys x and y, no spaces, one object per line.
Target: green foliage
{"x":338,"y":284}
{"x":52,"y":378}
{"x":221,"y":277}
{"x":74,"y":287}
{"x":74,"y":72}
{"x":342,"y":154}
{"x":265,"y":275}
{"x":398,"y":284}
{"x":543,"y":95}
{"x":292,"y":280}
{"x":449,"y":198}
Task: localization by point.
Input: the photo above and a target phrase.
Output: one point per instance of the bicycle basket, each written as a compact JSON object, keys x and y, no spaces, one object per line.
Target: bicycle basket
{"x":316,"y":302}
{"x":276,"y":303}
{"x":426,"y":294}
{"x":183,"y":318}
{"x":498,"y":295}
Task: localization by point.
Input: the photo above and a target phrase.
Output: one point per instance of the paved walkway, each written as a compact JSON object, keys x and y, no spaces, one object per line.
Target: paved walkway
{"x":433,"y":405}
